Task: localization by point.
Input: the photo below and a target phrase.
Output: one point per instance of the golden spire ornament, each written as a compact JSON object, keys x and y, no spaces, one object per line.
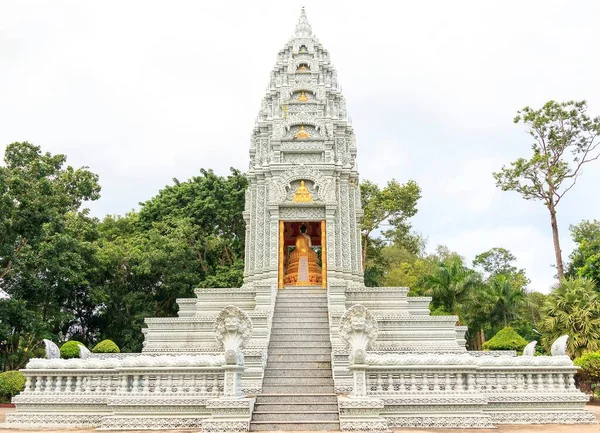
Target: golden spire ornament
{"x":302,"y":194}
{"x":302,"y":134}
{"x":303,"y":97}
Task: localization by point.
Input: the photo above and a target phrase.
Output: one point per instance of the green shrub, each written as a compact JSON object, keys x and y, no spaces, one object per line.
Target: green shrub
{"x":106,"y":346}
{"x":11,"y":383}
{"x":70,"y":349}
{"x":506,"y":339}
{"x":588,"y":376}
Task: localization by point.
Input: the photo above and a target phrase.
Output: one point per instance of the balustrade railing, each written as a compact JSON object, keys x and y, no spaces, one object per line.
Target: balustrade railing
{"x":51,"y":382}
{"x":389,"y":382}
{"x":204,"y":382}
{"x":394,"y":375}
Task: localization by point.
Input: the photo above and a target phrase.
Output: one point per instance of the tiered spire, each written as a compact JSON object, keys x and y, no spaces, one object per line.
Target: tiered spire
{"x":303,"y":28}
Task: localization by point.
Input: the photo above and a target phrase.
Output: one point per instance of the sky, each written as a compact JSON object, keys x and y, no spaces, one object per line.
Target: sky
{"x":143,"y":92}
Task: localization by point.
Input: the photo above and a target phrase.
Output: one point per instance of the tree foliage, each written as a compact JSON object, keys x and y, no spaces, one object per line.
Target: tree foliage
{"x":394,"y":203}
{"x":564,"y":139}
{"x":70,"y":349}
{"x":585,"y":259}
{"x":106,"y":346}
{"x":572,"y":308}
{"x":588,"y":376}
{"x":11,"y":383}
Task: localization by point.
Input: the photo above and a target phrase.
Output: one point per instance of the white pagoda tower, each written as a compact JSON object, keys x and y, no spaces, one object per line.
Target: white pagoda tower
{"x":302,"y":137}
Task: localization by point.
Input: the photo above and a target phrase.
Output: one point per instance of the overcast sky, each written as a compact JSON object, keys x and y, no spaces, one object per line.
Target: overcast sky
{"x":142,"y":92}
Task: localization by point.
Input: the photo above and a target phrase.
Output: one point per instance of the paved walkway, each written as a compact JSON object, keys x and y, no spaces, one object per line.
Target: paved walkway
{"x":546,"y":428}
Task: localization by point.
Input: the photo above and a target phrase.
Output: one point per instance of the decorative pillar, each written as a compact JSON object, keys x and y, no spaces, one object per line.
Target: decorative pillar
{"x":232,"y":411}
{"x":359,"y":412}
{"x":233,"y":328}
{"x":324,"y":254}
{"x":358,"y":329}
{"x":281,"y":257}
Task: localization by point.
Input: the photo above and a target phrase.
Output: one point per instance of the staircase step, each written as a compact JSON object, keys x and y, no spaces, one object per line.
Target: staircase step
{"x":304,"y":356}
{"x":321,"y":317}
{"x":299,"y":389}
{"x":296,"y":416}
{"x":273,"y":363}
{"x":301,"y":325}
{"x":287,"y":398}
{"x":291,"y":335}
{"x":309,"y":372}
{"x":276,"y":351}
{"x":289,"y":342}
{"x":306,"y":328}
{"x":303,"y":297}
{"x":294,"y":425}
{"x":285,"y":334}
{"x":294,"y":407}
{"x":297,"y":380}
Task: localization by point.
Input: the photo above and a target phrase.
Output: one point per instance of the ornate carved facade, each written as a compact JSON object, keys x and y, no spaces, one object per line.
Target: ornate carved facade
{"x":303,"y":133}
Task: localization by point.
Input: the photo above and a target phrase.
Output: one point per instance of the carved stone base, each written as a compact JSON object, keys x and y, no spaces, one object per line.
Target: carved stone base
{"x":579,"y":417}
{"x":440,"y":421}
{"x":52,"y":420}
{"x":361,"y":415}
{"x":229,"y":415}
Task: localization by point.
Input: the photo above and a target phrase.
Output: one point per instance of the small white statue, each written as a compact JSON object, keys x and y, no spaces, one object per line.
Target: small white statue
{"x":559,"y":347}
{"x":358,"y":329}
{"x":52,"y":350}
{"x":84,"y":352}
{"x":529,"y":350}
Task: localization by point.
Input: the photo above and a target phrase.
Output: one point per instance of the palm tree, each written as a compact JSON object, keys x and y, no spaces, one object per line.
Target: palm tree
{"x":573,"y":308}
{"x":451,"y":284}
{"x":506,"y":299}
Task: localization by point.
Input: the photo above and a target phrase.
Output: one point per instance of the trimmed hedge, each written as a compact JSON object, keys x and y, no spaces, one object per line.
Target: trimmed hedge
{"x":506,"y":339}
{"x":588,"y":377}
{"x":70,"y":349}
{"x":11,"y":383}
{"x":106,"y":346}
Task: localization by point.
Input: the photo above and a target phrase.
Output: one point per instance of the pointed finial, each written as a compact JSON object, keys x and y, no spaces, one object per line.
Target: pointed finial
{"x":303,"y":29}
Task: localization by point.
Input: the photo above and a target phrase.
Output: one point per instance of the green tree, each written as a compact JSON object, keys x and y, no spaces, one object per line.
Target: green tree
{"x":451,"y":284}
{"x":395,"y":203}
{"x":46,"y":252}
{"x":190,"y":234}
{"x":21,"y":333}
{"x":572,"y":308}
{"x":585,"y":259}
{"x":505,"y":299}
{"x":564,"y":139}
{"x":36,"y":190}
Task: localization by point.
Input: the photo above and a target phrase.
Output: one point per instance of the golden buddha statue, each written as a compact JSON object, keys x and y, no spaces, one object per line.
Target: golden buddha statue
{"x":303,"y":97}
{"x":302,"y":68}
{"x":303,"y":268}
{"x":302,"y":134}
{"x":302,"y":194}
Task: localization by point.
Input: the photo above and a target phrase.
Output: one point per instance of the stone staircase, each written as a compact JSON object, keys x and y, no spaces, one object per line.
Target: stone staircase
{"x":298,"y":384}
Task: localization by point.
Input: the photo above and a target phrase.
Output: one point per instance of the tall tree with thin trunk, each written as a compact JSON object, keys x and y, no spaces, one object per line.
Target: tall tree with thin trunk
{"x":564,"y":139}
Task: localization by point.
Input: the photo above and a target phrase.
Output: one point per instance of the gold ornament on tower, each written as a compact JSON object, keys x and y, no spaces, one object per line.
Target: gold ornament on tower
{"x":303,"y":97}
{"x":302,"y":194}
{"x":302,"y":134}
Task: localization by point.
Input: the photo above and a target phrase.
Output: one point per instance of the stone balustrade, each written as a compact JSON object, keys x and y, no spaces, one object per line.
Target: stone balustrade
{"x":89,"y":392}
{"x":427,"y":390}
{"x":142,"y":391}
